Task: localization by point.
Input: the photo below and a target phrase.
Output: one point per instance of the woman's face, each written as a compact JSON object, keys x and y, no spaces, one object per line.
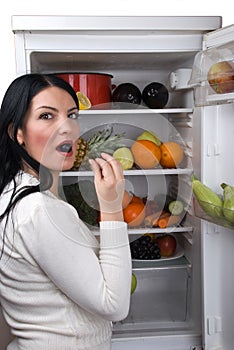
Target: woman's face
{"x":51,"y":129}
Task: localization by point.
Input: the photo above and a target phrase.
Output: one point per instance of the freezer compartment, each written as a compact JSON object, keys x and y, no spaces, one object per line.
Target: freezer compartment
{"x":161,"y":299}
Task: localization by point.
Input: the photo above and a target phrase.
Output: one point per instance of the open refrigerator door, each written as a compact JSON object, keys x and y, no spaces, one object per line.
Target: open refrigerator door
{"x":213,"y":79}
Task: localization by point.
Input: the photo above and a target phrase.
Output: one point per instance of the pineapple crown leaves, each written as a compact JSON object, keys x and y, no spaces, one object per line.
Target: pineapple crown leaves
{"x":104,"y":141}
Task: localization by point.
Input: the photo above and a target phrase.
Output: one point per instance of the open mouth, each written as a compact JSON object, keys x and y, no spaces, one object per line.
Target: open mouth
{"x":65,"y":147}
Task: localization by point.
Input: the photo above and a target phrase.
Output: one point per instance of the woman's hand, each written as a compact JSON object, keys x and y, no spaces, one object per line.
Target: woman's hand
{"x":109,"y":183}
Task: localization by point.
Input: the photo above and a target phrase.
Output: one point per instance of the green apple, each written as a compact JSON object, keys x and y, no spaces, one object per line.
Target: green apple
{"x":134,"y":283}
{"x":125,"y":157}
{"x":150,"y":136}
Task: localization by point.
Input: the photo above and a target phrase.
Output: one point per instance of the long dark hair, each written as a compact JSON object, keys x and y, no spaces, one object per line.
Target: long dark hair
{"x":13,"y":156}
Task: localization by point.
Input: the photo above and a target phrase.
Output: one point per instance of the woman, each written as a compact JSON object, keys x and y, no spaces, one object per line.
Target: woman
{"x":60,"y":288}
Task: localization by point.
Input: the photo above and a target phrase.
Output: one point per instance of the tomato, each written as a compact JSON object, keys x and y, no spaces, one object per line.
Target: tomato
{"x":134,"y":214}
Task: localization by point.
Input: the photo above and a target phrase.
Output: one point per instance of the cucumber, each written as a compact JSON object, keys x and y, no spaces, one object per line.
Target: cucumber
{"x":208,"y":200}
{"x":176,"y":207}
{"x":228,"y":202}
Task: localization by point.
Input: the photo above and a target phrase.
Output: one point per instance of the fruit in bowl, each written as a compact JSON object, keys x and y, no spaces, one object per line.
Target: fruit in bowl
{"x":221,"y":77}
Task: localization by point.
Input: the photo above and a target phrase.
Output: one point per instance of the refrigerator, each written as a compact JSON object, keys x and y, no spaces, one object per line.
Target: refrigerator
{"x":185,"y":302}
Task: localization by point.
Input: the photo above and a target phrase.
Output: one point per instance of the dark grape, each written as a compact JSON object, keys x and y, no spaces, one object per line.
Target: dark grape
{"x":144,"y":248}
{"x":158,"y":256}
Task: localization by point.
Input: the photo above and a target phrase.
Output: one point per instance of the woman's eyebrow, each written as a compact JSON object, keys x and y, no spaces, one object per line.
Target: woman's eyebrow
{"x":47,"y":107}
{"x":55,"y":109}
{"x":73,"y":108}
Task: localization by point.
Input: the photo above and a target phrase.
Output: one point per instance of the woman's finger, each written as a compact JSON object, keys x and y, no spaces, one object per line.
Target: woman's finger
{"x":105,"y":168}
{"x":96,"y":169}
{"x":109,"y":183}
{"x":115,"y":165}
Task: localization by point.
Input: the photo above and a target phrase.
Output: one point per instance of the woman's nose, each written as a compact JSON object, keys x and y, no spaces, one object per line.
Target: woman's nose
{"x":66,"y":126}
{"x":70,"y":127}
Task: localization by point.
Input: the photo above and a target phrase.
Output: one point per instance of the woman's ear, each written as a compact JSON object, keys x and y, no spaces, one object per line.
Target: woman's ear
{"x":20,"y":138}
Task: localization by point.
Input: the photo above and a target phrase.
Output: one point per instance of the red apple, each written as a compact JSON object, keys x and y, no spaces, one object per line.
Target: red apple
{"x":167,"y":245}
{"x":221,"y":77}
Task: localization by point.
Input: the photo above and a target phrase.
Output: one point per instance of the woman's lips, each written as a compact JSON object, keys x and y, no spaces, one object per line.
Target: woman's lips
{"x":65,"y":148}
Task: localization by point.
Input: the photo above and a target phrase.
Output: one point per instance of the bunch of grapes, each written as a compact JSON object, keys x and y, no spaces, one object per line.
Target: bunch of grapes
{"x":145,"y":248}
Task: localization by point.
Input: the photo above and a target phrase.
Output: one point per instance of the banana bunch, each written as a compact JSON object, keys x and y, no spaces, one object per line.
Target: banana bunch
{"x":209,"y":201}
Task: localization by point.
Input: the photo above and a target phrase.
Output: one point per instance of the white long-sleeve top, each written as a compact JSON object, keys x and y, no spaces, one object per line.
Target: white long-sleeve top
{"x":60,"y":289}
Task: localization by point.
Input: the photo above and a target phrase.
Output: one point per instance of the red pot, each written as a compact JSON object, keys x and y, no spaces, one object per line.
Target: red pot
{"x":96,"y":86}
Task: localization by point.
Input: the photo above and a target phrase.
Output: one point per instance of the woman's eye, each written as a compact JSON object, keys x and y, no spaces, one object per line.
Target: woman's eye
{"x":46,"y":116}
{"x":74,"y":115}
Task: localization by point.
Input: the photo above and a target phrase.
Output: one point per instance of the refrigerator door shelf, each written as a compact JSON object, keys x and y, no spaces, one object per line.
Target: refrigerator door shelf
{"x":213,"y":72}
{"x":221,"y":220}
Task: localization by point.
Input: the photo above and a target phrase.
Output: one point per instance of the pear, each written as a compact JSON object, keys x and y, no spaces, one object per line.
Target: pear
{"x":150,"y":136}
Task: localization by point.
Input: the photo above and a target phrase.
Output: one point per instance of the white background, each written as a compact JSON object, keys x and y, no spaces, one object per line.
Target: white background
{"x":221,"y":8}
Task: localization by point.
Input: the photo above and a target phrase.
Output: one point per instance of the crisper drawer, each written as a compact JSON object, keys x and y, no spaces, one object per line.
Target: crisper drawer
{"x":161,"y":299}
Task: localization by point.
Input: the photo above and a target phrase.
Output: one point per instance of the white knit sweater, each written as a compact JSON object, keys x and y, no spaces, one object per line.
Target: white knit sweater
{"x":60,"y":289}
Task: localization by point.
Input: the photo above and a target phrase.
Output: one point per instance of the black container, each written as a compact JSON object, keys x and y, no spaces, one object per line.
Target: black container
{"x":128,"y":93}
{"x":155,"y":95}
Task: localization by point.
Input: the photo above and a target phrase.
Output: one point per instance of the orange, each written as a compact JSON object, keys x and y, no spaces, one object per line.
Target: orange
{"x":172,"y":154}
{"x":134,"y":214}
{"x":146,"y":154}
{"x":127,"y":198}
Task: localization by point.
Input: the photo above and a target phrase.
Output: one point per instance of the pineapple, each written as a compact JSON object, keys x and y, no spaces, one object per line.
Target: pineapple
{"x":102,"y":141}
{"x":81,"y":151}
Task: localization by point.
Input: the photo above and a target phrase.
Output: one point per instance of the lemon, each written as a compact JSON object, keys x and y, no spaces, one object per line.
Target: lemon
{"x":134,"y":283}
{"x":84,"y":102}
{"x":125,"y":157}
